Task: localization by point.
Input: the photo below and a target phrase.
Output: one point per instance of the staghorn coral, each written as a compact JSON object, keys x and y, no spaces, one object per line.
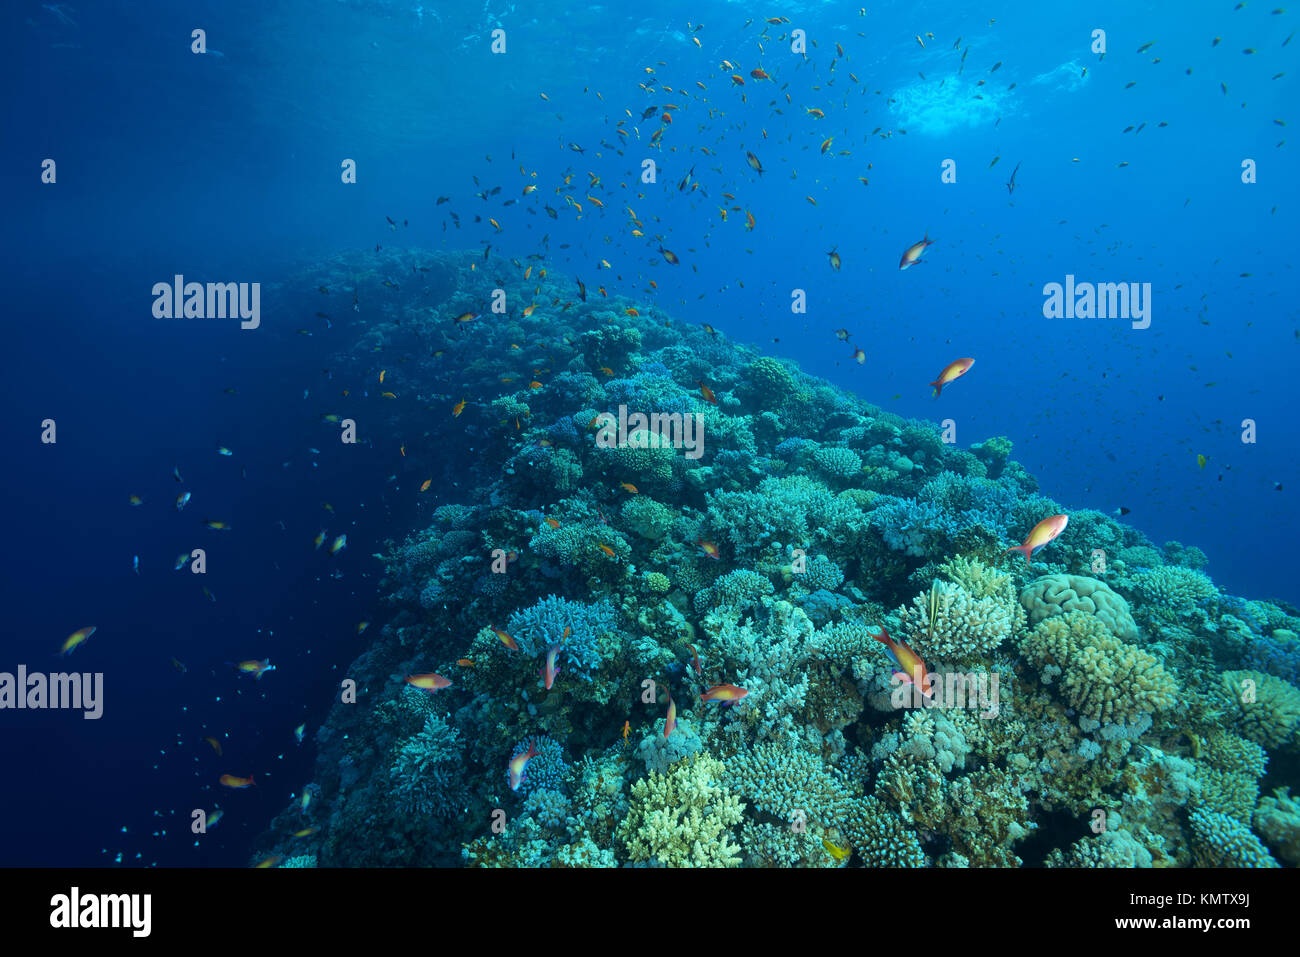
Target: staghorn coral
{"x":1101,"y":677}
{"x":1057,"y":594}
{"x":683,"y":818}
{"x":548,"y":621}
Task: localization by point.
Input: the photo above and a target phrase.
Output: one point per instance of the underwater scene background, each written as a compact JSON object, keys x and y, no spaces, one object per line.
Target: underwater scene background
{"x":384,"y":569}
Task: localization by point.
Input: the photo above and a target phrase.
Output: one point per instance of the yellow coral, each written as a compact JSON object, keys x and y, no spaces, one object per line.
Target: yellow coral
{"x":683,"y":818}
{"x":1102,"y":677}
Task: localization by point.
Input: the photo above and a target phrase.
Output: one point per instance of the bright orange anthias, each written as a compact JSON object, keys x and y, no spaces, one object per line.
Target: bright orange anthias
{"x":1042,"y":533}
{"x":911,"y":669}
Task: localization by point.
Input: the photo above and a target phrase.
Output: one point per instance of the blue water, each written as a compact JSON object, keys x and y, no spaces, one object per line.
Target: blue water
{"x":228,"y":167}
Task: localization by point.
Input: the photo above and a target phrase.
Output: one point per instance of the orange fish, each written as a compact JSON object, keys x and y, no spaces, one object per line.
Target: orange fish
{"x":424,"y":487}
{"x":428,"y":682}
{"x":627,"y":729}
{"x":553,"y":522}
{"x":465,"y":662}
{"x":628,"y":487}
{"x":457,"y":409}
{"x":670,"y":722}
{"x":759,"y":74}
{"x":519,"y":763}
{"x":1042,"y":533}
{"x":708,"y":394}
{"x":911,"y":667}
{"x":216,"y":745}
{"x":912,"y":255}
{"x":727,"y":694}
{"x":466,"y":316}
{"x":953,"y":370}
{"x":709,"y":549}
{"x":534,"y":385}
{"x":230,"y":781}
{"x":549,"y":670}
{"x":609,"y":552}
{"x":506,"y":639}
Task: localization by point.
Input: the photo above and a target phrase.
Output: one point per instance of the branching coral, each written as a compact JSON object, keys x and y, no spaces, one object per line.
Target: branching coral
{"x":948,"y":622}
{"x":1262,"y":708}
{"x":1101,"y":677}
{"x":426,"y":771}
{"x":683,"y":818}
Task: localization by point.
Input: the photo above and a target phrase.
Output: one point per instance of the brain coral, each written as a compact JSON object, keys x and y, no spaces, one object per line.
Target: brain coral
{"x":683,"y":818}
{"x":770,"y":380}
{"x":1262,"y":708}
{"x":648,"y":518}
{"x":1101,"y":677}
{"x":1056,"y":594}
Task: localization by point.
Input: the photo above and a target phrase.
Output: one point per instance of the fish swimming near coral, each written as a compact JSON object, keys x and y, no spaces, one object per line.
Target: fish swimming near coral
{"x":911,"y":669}
{"x":519,"y":764}
{"x":1042,"y":533}
{"x":727,"y":694}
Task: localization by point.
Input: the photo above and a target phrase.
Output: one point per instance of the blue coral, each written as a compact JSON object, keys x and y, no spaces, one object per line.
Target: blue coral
{"x":542,"y":625}
{"x":546,"y":770}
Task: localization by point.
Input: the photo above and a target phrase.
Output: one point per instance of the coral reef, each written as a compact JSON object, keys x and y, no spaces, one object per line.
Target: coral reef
{"x":1107,"y":680}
